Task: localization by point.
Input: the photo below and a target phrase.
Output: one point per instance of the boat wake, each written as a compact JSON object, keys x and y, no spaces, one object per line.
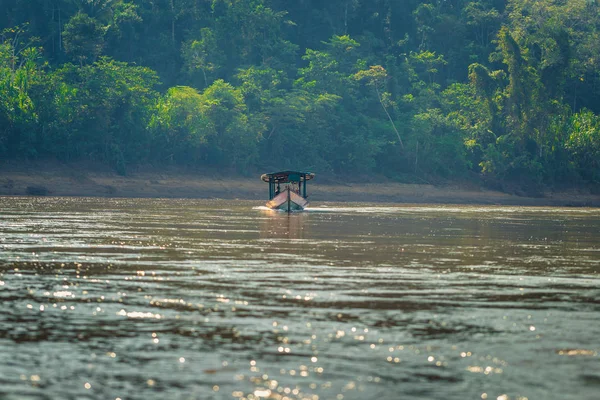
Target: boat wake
{"x":278,"y":210}
{"x":335,"y":209}
{"x":440,"y":209}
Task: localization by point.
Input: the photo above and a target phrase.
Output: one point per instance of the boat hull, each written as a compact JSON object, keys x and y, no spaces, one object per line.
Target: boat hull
{"x":288,"y":200}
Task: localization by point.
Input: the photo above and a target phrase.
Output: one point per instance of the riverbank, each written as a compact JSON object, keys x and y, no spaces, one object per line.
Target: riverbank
{"x":65,"y":180}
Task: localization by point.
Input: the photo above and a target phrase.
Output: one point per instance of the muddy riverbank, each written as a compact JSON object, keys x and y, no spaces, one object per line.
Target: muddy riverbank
{"x":75,"y":180}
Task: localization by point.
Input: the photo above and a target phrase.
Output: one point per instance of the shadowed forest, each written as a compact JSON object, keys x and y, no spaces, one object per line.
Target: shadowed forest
{"x":501,"y":92}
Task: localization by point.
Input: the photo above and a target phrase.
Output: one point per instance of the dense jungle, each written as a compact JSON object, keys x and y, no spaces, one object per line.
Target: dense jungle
{"x":504,"y":93}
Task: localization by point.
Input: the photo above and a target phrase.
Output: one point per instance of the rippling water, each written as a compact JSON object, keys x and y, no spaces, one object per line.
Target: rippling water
{"x":188,"y":299}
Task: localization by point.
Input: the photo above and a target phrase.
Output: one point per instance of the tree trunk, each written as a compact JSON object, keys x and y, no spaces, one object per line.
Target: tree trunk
{"x":390,"y":118}
{"x":417,"y":157}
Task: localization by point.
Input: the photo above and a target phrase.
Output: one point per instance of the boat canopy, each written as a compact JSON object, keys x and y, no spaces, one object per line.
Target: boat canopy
{"x":287,"y":176}
{"x":274,"y":180}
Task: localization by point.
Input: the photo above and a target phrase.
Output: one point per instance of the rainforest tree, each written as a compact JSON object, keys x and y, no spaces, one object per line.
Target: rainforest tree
{"x":507,"y":92}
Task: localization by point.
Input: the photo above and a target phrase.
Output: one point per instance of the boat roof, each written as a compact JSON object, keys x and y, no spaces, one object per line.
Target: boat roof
{"x":286,"y":176}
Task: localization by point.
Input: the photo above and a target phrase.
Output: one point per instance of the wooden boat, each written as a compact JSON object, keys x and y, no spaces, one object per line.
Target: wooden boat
{"x":287,"y":190}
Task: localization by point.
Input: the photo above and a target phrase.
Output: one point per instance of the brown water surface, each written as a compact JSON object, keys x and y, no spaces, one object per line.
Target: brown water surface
{"x":208,"y":299}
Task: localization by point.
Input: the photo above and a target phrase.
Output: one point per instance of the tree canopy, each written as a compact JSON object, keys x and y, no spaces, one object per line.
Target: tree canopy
{"x":504,"y":91}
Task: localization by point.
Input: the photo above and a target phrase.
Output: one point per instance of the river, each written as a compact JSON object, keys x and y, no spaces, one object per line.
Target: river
{"x":218,"y":299}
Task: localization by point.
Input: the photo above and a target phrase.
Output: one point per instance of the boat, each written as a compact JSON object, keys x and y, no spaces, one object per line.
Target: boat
{"x":287,"y":190}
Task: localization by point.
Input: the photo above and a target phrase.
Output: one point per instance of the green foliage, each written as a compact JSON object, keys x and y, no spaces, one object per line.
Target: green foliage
{"x":418,"y":90}
{"x":179,"y":128}
{"x":105,"y":108}
{"x":438,"y":145}
{"x":330,"y":71}
{"x":234,"y":143}
{"x":203,"y":55}
{"x":21,"y":70}
{"x":83,"y":38}
{"x":583,"y":144}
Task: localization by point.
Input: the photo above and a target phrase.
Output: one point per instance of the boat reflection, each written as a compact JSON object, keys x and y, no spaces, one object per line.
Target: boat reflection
{"x":281,"y":225}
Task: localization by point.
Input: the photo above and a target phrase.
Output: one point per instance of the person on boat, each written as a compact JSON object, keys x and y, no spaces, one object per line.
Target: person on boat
{"x":278,"y":190}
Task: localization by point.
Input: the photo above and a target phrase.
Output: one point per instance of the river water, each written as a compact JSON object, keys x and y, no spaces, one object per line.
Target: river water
{"x":213,"y":299}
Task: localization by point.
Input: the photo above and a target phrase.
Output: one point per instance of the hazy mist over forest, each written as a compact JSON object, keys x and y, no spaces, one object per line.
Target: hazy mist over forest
{"x":504,"y":91}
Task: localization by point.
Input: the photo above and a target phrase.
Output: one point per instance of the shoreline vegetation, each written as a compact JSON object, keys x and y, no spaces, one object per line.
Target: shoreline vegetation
{"x":69,"y":181}
{"x":500,"y":93}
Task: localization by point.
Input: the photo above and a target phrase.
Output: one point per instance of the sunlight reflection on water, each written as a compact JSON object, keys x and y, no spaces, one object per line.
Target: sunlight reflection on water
{"x":155,"y":299}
